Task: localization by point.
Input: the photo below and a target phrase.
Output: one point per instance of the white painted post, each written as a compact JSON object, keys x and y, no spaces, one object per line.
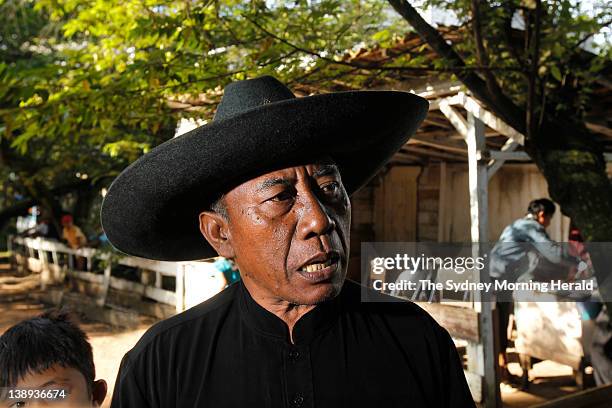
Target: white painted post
{"x":496,"y":164}
{"x":45,"y":271}
{"x":101,"y":301}
{"x":485,"y":363}
{"x":180,"y":287}
{"x":158,"y":279}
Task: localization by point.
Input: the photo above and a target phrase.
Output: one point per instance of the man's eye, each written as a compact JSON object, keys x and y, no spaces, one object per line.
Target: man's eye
{"x":18,"y":404}
{"x":330,"y":188}
{"x":284,"y":196}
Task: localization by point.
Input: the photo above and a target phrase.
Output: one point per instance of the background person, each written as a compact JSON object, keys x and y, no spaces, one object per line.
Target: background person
{"x":525,"y":252}
{"x":75,"y":238}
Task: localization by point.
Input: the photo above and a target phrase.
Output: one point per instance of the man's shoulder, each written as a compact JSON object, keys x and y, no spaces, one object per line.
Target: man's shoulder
{"x":528,"y":223}
{"x":359,"y":299}
{"x":208,"y":312}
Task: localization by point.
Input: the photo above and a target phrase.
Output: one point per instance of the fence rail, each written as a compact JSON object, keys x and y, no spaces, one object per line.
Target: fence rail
{"x":54,"y":260}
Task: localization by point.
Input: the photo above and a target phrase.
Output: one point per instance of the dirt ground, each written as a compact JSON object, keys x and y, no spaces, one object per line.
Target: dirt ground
{"x":549,"y":380}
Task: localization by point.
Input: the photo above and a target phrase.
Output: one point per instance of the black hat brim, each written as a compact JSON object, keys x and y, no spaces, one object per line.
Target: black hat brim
{"x":151,"y":209}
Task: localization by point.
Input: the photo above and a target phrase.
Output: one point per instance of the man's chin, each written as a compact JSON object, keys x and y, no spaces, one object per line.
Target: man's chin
{"x":317,"y":293}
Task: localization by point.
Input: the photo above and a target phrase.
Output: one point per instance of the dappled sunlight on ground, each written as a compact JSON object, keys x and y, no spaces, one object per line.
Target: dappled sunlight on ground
{"x":549,"y":380}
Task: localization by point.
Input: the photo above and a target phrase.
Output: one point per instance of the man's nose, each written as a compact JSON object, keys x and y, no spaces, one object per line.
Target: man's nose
{"x":315,"y":220}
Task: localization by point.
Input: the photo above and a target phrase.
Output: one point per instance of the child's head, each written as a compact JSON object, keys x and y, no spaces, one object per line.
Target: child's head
{"x":46,"y":353}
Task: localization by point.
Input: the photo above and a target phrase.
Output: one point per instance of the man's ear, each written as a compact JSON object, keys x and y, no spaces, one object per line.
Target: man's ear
{"x":215,"y":229}
{"x":98,"y":392}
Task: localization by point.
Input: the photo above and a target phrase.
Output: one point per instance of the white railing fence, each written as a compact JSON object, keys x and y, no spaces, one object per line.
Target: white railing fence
{"x":54,"y":261}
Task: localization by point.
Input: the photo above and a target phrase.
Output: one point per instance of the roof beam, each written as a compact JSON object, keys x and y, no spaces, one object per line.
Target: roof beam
{"x":454,"y":117}
{"x":449,"y":145}
{"x":496,"y":164}
{"x":505,"y":155}
{"x":433,"y":153}
{"x":475,"y":108}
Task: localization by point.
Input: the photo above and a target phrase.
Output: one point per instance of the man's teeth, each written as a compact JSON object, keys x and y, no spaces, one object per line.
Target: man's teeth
{"x":317,"y":266}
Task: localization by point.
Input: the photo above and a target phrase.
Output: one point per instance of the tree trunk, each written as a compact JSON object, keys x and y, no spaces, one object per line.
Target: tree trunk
{"x":575,"y":169}
{"x":566,"y":154}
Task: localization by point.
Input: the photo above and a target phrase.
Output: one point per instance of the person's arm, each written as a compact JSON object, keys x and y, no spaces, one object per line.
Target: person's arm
{"x":549,"y":249}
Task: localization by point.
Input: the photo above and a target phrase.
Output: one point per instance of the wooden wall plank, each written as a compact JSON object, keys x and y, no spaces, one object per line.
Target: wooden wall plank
{"x":461,"y":322}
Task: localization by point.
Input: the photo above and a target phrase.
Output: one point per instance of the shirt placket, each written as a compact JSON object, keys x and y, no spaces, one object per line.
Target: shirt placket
{"x":298,"y":377}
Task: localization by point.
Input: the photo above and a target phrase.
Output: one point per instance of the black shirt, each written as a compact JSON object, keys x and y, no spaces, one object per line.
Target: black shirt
{"x":231,"y":352}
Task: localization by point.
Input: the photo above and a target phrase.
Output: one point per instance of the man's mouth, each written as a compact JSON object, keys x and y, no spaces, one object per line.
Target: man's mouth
{"x":317,"y":266}
{"x":321,"y":267}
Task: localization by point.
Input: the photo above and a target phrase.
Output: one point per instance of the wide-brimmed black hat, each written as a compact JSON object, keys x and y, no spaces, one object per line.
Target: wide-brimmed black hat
{"x":151,"y":210}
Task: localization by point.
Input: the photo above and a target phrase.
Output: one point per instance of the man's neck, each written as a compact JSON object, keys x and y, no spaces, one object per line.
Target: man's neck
{"x":286,"y":311}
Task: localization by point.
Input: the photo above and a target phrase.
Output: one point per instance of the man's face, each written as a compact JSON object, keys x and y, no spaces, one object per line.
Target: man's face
{"x":67,"y":379}
{"x":289,"y":233}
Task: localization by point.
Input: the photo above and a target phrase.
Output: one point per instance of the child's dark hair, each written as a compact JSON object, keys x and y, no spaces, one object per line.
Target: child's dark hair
{"x":541,"y":204}
{"x":34,"y":345}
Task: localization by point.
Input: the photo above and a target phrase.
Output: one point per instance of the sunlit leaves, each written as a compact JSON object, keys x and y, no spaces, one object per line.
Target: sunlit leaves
{"x":92,"y":84}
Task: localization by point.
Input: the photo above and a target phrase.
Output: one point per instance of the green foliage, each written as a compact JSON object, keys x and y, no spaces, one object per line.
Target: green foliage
{"x":86,"y":86}
{"x":566,"y":70}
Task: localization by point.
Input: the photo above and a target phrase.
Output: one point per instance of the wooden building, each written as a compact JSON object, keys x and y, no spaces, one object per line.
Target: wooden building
{"x":462,"y":178}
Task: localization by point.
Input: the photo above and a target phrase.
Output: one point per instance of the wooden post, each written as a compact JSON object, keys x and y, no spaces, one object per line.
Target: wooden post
{"x":484,"y":356}
{"x":158,"y":279}
{"x":45,"y":272}
{"x":9,"y":244}
{"x":496,"y":164}
{"x":180,"y":287}
{"x":101,"y":301}
{"x":442,"y":204}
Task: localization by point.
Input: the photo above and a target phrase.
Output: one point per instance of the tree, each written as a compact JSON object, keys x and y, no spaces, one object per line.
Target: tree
{"x":106,"y":80}
{"x":56,"y":136}
{"x":547,"y":102}
{"x":88,"y":86}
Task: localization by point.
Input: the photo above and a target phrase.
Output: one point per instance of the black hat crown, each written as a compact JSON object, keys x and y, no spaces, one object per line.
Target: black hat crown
{"x":251,"y":93}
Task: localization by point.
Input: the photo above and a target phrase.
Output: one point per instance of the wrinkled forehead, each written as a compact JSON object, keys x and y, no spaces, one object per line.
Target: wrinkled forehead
{"x":315,"y":169}
{"x":288,"y":175}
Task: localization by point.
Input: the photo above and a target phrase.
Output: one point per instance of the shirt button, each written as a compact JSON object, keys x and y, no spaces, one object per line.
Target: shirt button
{"x":294,"y":354}
{"x":298,"y":400}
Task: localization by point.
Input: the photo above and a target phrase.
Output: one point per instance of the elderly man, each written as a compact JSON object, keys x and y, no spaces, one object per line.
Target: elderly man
{"x":267,"y":185}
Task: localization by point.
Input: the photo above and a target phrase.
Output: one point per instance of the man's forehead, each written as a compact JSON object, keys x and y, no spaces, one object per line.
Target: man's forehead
{"x":314,"y":170}
{"x":285,"y":176}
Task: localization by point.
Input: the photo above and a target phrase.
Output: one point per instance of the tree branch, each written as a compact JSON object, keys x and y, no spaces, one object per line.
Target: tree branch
{"x":510,"y":10}
{"x":586,"y":37}
{"x":502,"y":106}
{"x":534,"y":45}
{"x":376,"y":66}
{"x":481,"y":54}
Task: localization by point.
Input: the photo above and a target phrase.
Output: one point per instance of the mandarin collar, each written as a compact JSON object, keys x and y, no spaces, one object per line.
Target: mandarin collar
{"x":309,"y":326}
